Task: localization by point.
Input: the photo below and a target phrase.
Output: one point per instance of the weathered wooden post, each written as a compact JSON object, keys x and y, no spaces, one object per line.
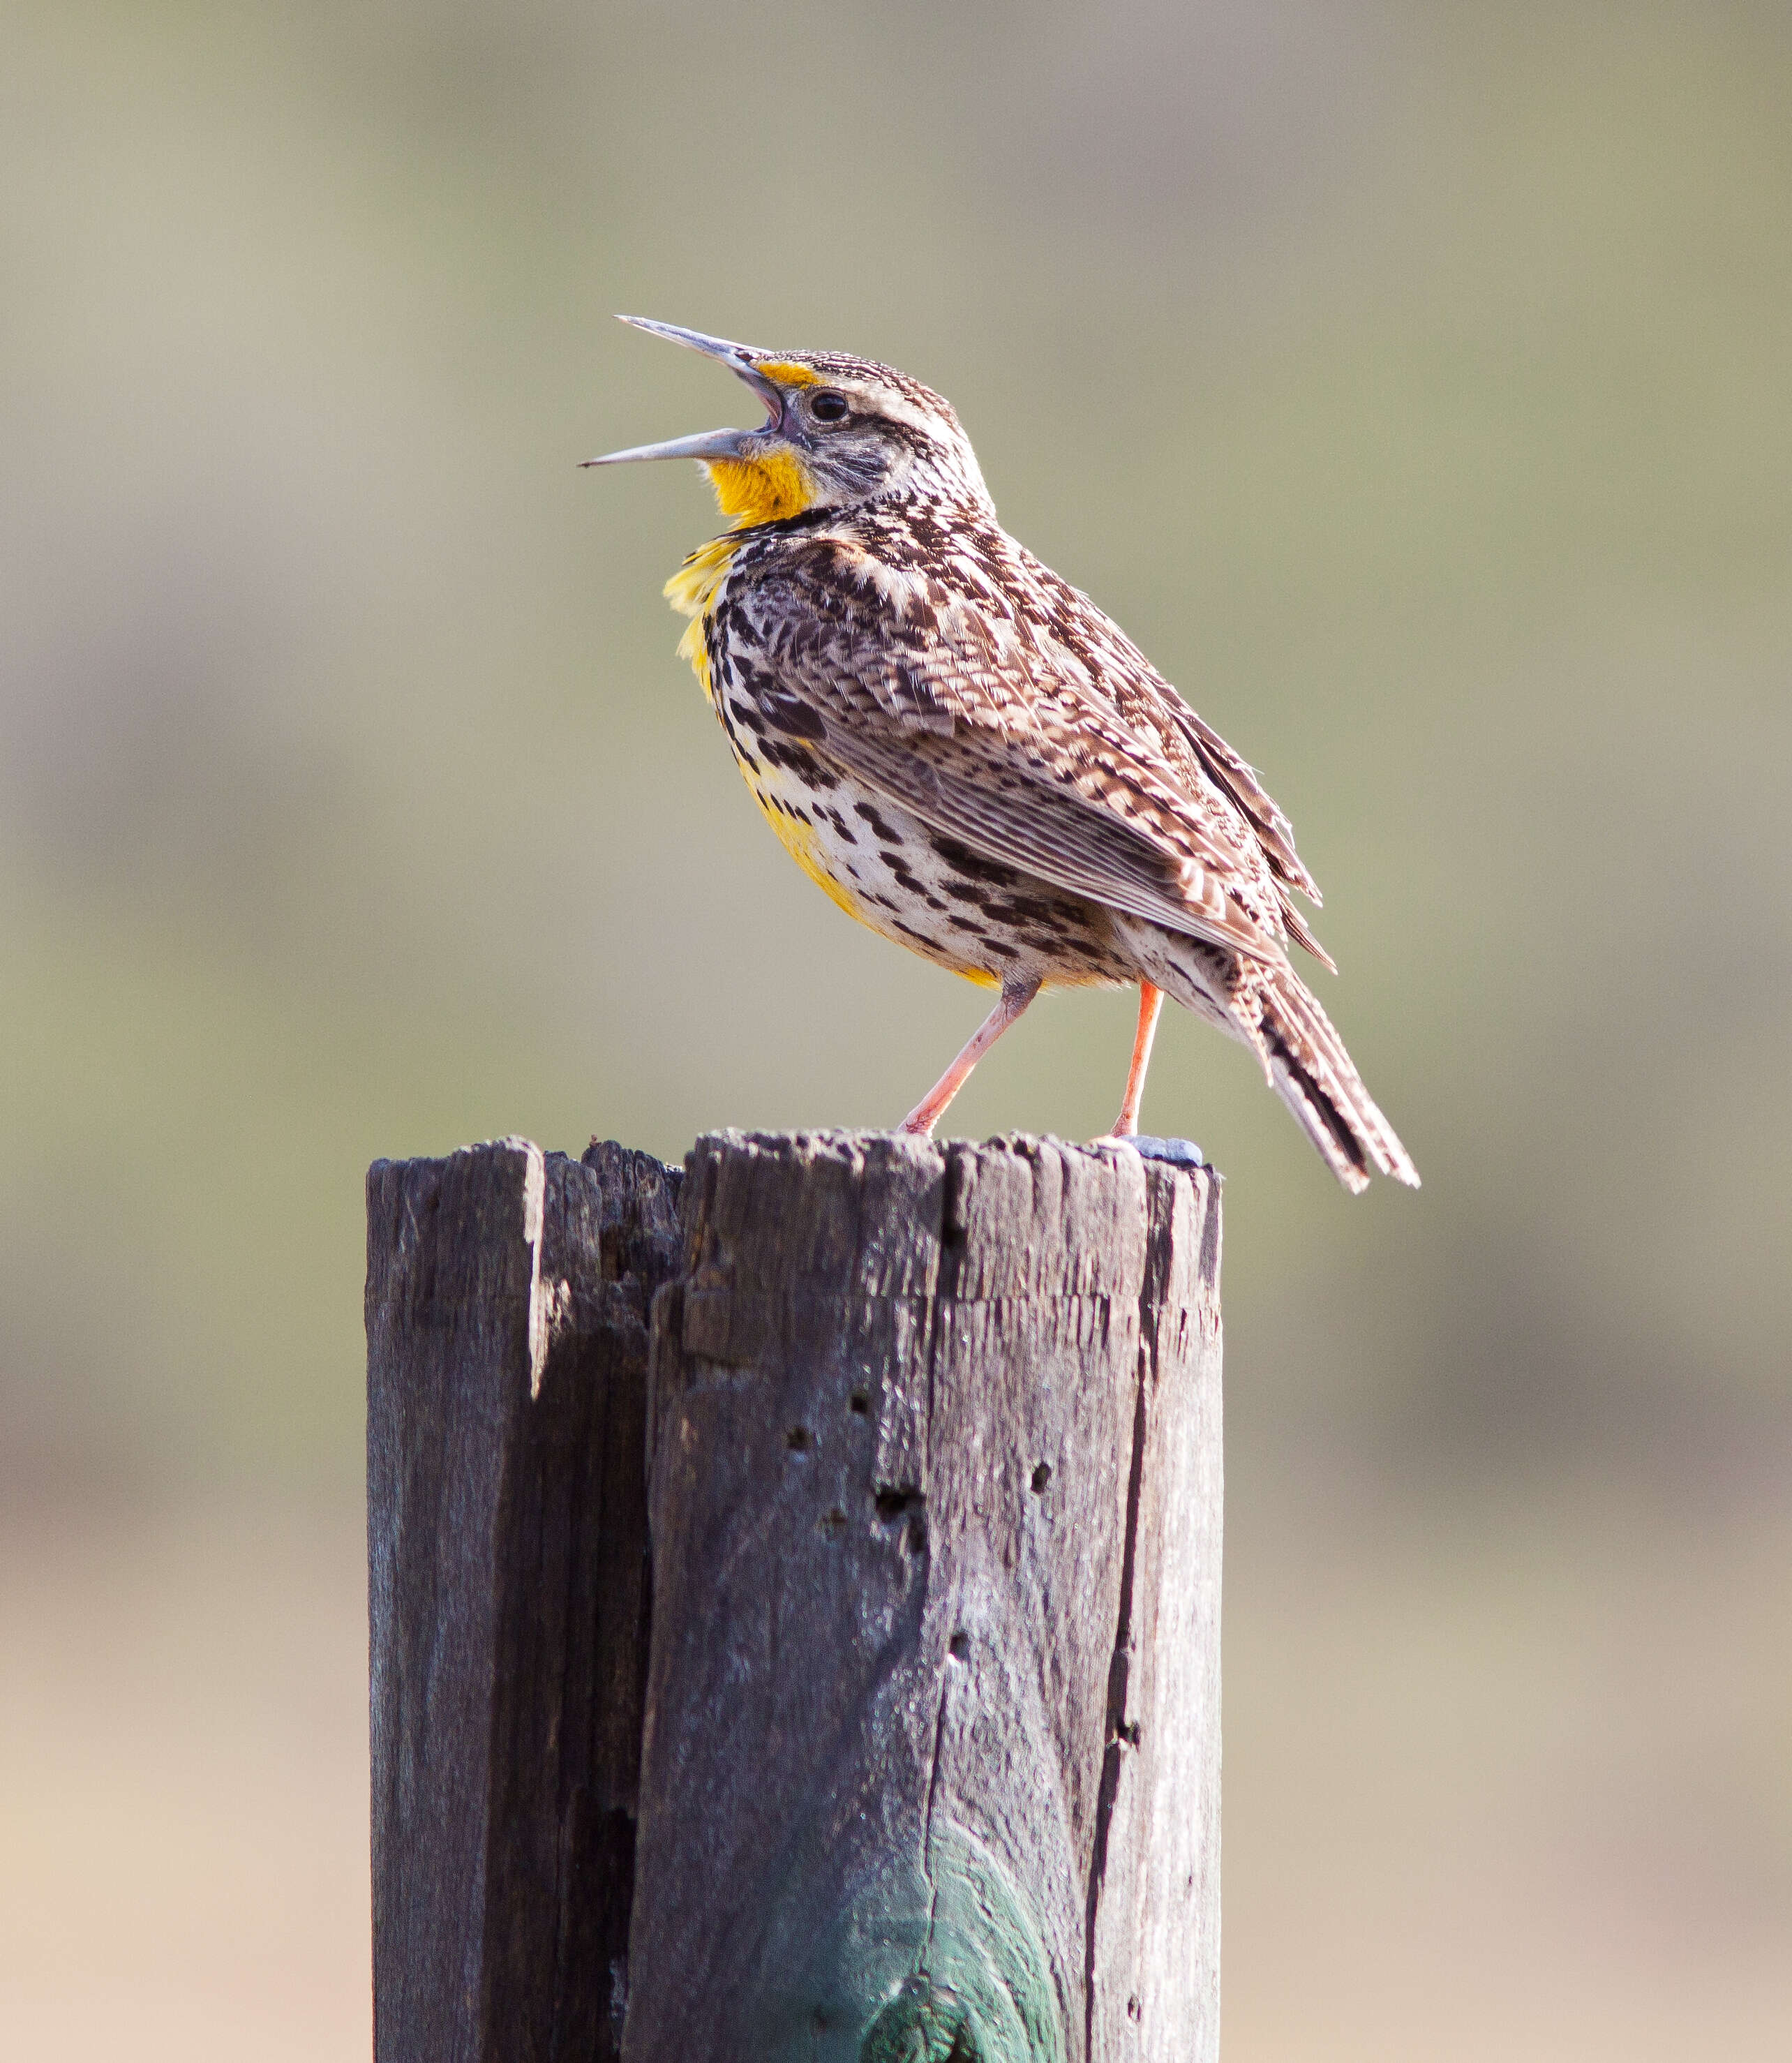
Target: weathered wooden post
{"x":507,"y":1306}
{"x":924,"y":1749}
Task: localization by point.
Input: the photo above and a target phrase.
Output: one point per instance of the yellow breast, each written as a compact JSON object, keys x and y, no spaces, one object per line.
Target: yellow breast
{"x":748,"y":491}
{"x":691,"y":592}
{"x":803,"y":843}
{"x":751,"y":492}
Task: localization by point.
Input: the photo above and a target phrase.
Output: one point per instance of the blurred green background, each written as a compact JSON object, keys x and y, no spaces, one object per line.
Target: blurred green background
{"x":1412,"y":383}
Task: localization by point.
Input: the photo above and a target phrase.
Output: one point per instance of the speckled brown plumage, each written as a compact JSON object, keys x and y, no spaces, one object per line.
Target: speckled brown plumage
{"x":971,"y":758}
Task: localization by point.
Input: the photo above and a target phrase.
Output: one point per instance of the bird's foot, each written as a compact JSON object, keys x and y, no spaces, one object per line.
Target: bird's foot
{"x":1175,"y":1153}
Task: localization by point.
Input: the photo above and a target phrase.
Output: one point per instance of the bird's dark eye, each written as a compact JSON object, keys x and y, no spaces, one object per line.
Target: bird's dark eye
{"x":828,"y":406}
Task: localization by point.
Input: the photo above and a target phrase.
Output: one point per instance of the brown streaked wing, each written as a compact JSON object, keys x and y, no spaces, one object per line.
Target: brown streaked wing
{"x":928,"y":707}
{"x":1102,"y":645}
{"x":1269,"y":821}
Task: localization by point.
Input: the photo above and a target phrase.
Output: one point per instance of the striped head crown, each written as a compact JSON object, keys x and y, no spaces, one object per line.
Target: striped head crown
{"x":839,"y":432}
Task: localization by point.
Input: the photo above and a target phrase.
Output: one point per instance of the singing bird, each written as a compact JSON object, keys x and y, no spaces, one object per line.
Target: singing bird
{"x":970,"y":757}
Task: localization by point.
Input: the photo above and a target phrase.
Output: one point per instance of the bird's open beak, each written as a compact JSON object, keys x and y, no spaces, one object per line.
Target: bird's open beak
{"x":706,"y":443}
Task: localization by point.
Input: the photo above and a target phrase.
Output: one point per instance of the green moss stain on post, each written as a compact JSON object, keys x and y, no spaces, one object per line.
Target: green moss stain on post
{"x":907,"y":1967}
{"x":925,"y":2023}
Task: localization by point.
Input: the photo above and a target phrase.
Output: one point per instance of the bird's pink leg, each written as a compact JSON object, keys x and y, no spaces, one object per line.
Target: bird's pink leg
{"x":1150,"y":1002}
{"x":927,"y":1114}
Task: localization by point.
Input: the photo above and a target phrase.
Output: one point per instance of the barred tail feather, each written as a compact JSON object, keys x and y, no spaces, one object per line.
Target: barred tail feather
{"x":1316,"y":1078}
{"x":1273,"y":1010}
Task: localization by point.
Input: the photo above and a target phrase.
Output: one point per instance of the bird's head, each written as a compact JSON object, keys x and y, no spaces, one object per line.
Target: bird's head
{"x":838,"y":432}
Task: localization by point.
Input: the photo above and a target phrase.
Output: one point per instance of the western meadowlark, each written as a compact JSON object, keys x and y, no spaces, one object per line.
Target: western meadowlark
{"x":969,"y":757}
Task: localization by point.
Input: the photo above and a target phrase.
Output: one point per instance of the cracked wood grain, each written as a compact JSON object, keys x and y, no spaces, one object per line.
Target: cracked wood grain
{"x":924,"y":1763}
{"x":930,"y":1764}
{"x":508,"y":1296}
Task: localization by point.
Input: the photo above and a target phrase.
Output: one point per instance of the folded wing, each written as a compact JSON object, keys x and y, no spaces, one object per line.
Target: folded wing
{"x":995,"y":735}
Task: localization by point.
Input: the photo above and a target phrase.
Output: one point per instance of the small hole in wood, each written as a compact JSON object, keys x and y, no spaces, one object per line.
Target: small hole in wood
{"x":799,"y":1439}
{"x":833,"y":1521}
{"x":1042,"y":1475}
{"x":1134,"y":2010}
{"x":858,"y":1404}
{"x":960,"y":1646}
{"x":893,"y":1500}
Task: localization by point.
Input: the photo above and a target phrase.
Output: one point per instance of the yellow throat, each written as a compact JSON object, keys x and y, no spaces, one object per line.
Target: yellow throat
{"x":747,"y":490}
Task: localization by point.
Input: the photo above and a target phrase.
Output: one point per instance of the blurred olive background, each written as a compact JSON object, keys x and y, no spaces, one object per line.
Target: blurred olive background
{"x":1412,"y":382}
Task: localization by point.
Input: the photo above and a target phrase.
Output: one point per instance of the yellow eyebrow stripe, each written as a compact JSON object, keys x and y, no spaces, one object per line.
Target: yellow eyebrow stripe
{"x":788,"y":373}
